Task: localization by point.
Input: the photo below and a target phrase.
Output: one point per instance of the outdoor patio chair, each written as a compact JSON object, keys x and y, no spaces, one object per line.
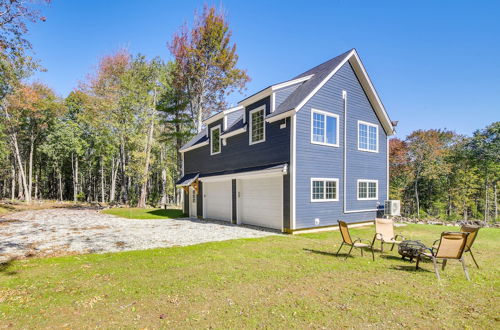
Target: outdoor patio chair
{"x":357,"y":243}
{"x":472,"y":230}
{"x":384,"y":232}
{"x":451,"y":246}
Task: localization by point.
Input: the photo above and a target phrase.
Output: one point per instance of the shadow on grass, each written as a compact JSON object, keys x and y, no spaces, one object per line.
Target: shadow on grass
{"x":168,"y":213}
{"x":330,"y":254}
{"x":410,"y":268}
{"x":5,"y":266}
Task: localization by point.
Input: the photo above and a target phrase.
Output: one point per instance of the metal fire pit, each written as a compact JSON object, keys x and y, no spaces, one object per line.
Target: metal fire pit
{"x":411,"y":249}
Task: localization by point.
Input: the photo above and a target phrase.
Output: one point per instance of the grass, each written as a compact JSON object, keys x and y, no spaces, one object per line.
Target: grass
{"x":271,"y":282}
{"x":138,"y":213}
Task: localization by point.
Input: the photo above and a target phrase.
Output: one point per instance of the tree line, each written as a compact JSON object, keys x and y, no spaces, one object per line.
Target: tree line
{"x":441,"y":174}
{"x":115,"y":137}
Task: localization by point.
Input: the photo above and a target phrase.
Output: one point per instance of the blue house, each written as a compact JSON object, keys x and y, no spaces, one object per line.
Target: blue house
{"x":297,"y":155}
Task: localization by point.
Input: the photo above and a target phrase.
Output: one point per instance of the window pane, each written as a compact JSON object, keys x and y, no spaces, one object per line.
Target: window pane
{"x":331,"y":130}
{"x":318,"y":190}
{"x":372,"y":189}
{"x":362,"y":190}
{"x":318,"y":127}
{"x":215,"y":140}
{"x":363,"y":136}
{"x":258,"y":126}
{"x":331,"y":190}
{"x":372,"y":141}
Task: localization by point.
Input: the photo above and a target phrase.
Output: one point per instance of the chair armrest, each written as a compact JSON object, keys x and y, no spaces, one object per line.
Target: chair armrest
{"x":376,"y":236}
{"x":361,"y":240}
{"x":398,"y":235}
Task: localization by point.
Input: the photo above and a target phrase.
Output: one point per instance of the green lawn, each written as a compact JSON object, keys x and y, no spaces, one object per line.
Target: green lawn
{"x":137,"y":213}
{"x":272,"y":282}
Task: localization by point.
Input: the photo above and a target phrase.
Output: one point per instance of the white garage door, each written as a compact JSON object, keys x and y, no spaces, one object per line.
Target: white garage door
{"x":260,"y":202}
{"x":218,"y":200}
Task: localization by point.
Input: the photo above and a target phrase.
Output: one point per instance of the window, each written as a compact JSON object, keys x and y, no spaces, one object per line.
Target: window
{"x":324,"y":128}
{"x":367,"y":136}
{"x":323,"y":190}
{"x":367,"y":189}
{"x":215,"y":142}
{"x":257,"y":125}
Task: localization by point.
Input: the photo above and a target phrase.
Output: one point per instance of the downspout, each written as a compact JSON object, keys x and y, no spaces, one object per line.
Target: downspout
{"x":344,"y":97}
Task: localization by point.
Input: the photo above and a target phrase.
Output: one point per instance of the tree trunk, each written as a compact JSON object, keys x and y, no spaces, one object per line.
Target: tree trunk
{"x":486,"y":208}
{"x":495,"y":199}
{"x":59,"y":175}
{"x":114,"y":174}
{"x":36,"y":187}
{"x":22,"y":174}
{"x":417,"y":201}
{"x":149,"y":142}
{"x":30,"y":167}
{"x":13,"y":183}
{"x":74,"y":165}
{"x":103,"y":197}
{"x":124,"y":187}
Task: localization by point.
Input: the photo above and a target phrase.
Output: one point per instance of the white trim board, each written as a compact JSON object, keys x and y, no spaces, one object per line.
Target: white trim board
{"x":367,"y":181}
{"x":263,"y":109}
{"x":367,"y":85}
{"x":217,"y":127}
{"x":361,"y":122}
{"x":326,"y":114}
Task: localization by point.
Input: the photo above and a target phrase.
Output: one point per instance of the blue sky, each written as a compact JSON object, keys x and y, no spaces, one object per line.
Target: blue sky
{"x":435,"y":64}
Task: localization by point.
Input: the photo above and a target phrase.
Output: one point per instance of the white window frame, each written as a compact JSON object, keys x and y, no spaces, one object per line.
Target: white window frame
{"x":211,"y":139}
{"x":326,"y":114}
{"x":263,"y":109}
{"x":336,"y":180}
{"x":368,"y":136}
{"x":367,"y":198}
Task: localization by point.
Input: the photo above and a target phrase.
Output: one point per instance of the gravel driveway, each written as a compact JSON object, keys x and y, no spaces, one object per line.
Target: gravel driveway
{"x":75,"y":231}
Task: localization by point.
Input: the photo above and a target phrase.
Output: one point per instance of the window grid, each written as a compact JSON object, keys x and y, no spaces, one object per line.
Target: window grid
{"x":258,"y":126}
{"x":324,"y":128}
{"x":367,"y":137}
{"x":367,"y":189}
{"x":324,"y":189}
{"x":215,"y":140}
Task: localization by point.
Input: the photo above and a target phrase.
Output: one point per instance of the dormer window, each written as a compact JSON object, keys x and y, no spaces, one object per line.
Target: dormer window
{"x":257,"y":125}
{"x":215,"y":140}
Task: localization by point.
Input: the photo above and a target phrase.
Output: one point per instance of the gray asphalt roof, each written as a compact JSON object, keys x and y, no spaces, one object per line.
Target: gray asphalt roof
{"x":319,"y":74}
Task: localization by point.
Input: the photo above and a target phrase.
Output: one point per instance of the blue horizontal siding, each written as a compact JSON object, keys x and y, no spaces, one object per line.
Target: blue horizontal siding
{"x":237,"y":153}
{"x":314,"y":160}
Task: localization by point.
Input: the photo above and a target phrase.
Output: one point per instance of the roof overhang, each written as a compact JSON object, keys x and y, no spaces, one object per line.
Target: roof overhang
{"x":281,"y":116}
{"x":367,"y":85}
{"x":273,"y":170}
{"x":233,"y":133}
{"x":202,"y":144}
{"x":220,"y":115}
{"x":269,"y":90}
{"x":187,"y":180}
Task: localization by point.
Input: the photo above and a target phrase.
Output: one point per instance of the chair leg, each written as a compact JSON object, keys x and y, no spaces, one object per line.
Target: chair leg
{"x":444,"y":263}
{"x":341,"y":245}
{"x":373,"y":254}
{"x":392,"y":248}
{"x":465,"y":269}
{"x":436,"y":268}
{"x":474,"y":259}
{"x":361,"y":251}
{"x":349,"y":253}
{"x":381,"y":247}
{"x":418,"y":261}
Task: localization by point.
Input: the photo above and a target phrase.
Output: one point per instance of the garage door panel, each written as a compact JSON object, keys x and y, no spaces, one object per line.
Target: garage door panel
{"x":218,"y":200}
{"x":261,"y":202}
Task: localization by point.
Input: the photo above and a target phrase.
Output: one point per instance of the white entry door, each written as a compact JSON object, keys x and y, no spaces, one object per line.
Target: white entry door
{"x":218,"y":200}
{"x":192,"y":203}
{"x":260,"y":202}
